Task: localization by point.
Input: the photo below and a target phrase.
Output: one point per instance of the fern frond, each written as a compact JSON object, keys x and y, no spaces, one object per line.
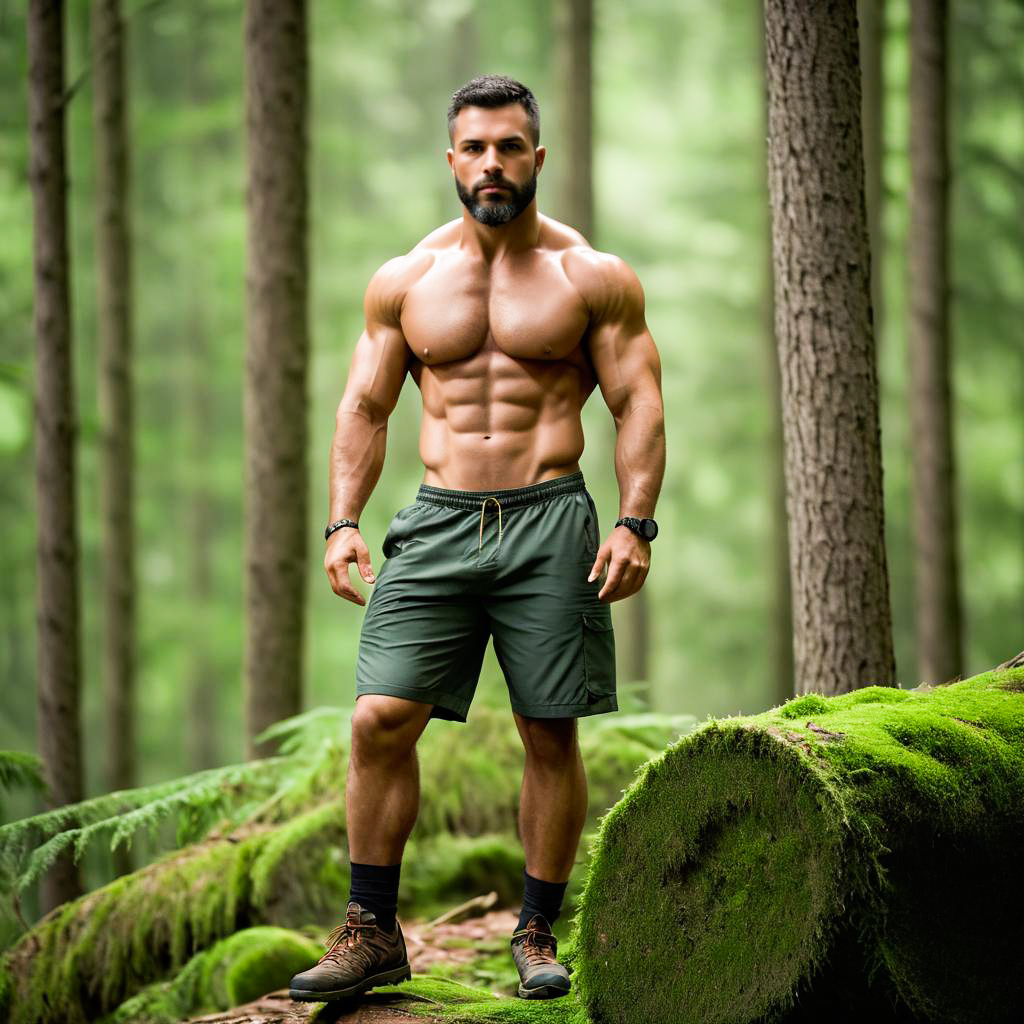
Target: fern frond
{"x":20,"y":769}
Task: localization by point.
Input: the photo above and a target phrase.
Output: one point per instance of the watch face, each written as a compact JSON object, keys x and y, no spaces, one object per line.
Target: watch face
{"x":649,"y":528}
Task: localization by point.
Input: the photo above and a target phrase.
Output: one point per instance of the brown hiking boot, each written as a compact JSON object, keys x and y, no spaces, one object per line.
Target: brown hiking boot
{"x":541,"y":976}
{"x":359,"y":956}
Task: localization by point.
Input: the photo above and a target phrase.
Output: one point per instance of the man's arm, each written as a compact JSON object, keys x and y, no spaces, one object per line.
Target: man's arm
{"x":629,"y":374}
{"x":375,"y":380}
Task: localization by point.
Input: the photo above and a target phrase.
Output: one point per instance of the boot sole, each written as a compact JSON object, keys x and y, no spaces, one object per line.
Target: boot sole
{"x":542,"y":992}
{"x":392,"y":977}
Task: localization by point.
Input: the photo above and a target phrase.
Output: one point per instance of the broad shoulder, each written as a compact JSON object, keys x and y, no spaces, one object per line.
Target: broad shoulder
{"x":388,"y":287}
{"x":607,"y":283}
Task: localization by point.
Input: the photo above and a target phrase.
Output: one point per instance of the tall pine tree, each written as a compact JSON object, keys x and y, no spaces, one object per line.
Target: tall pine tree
{"x":114,"y":315}
{"x":841,"y":614}
{"x":57,"y":609}
{"x":936,"y":570}
{"x":276,"y":398}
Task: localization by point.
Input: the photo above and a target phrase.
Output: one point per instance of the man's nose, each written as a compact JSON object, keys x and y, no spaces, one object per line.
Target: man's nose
{"x":492,"y":161}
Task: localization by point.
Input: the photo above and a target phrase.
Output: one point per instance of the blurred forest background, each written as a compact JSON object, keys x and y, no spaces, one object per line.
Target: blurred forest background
{"x":680,"y":193}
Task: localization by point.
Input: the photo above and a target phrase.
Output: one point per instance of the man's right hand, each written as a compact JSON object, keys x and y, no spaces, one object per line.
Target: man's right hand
{"x":344,"y":547}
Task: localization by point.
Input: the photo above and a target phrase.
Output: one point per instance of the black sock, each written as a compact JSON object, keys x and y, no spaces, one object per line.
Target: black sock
{"x":375,"y":887}
{"x":540,"y":897}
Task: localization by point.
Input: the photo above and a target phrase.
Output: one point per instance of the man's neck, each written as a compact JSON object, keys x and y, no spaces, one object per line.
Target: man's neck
{"x":492,"y":243}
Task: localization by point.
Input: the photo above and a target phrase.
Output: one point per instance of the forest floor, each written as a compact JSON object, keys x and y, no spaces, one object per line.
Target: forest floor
{"x":473,"y":952}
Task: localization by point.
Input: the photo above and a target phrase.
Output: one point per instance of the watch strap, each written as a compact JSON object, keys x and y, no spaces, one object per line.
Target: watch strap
{"x":338,"y":525}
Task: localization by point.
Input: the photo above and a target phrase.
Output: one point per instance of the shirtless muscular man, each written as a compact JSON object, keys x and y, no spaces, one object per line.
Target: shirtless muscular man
{"x":506,"y":320}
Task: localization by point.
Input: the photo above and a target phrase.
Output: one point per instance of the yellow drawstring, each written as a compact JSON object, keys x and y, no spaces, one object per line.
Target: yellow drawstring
{"x":483,"y":508}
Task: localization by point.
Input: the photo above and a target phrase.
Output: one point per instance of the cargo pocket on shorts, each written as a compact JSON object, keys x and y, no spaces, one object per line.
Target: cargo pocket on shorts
{"x":598,"y":655}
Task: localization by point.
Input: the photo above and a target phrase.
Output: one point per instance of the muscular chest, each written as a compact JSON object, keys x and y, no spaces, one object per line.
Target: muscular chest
{"x":529,"y":311}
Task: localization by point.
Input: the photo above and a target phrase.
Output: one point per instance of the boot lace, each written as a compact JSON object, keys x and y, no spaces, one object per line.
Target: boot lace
{"x":538,"y":947}
{"x":347,"y":942}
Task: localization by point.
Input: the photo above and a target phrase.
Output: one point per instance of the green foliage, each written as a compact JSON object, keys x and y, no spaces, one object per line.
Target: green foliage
{"x":450,"y":1001}
{"x":195,"y":803}
{"x":276,"y":855}
{"x":236,"y":970}
{"x":800,"y":852}
{"x":20,"y":769}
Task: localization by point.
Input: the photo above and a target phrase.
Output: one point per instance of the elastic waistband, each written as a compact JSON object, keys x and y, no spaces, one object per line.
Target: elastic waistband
{"x":512,"y":497}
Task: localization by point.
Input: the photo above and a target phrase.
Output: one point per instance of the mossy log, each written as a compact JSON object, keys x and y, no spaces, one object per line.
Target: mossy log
{"x":87,"y":956}
{"x":852,"y":857}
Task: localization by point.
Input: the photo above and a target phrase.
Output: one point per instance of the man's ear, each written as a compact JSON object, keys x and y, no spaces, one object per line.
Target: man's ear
{"x":451,"y":157}
{"x":539,"y":153}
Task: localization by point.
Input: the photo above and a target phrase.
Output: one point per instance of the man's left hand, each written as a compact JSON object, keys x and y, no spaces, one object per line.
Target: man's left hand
{"x":628,"y":558}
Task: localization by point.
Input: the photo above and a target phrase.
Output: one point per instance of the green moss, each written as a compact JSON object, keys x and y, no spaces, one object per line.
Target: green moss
{"x":809,"y":705}
{"x":439,"y":871}
{"x":235,"y":970}
{"x":301,"y":872}
{"x":443,"y":1000}
{"x":89,"y":955}
{"x":748,"y":853}
{"x":252,"y":962}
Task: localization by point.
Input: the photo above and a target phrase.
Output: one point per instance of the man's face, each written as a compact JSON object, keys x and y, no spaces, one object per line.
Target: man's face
{"x":494,"y":162}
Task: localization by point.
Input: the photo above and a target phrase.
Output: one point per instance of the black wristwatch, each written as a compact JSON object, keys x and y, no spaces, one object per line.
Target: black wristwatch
{"x":646,"y":528}
{"x":338,"y":525}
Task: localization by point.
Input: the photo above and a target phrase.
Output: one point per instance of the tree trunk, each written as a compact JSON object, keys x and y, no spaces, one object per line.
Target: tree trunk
{"x":765,"y":868}
{"x":114,"y":315}
{"x":201,"y":674}
{"x":871,"y":17}
{"x":936,"y":574}
{"x":59,"y":668}
{"x":575,"y":199}
{"x":278,"y":344}
{"x":841,"y":614}
{"x":781,"y":591}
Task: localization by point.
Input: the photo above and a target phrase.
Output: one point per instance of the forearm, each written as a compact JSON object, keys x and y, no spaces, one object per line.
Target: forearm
{"x":640,"y":459}
{"x":357,"y":457}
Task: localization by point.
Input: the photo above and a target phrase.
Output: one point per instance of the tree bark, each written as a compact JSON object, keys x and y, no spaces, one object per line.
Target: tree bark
{"x":57,"y":604}
{"x":575,"y":198}
{"x":841,"y":613}
{"x":871,"y":17}
{"x":277,"y":357}
{"x":114,"y":315}
{"x":781,"y":591}
{"x":936,"y":572}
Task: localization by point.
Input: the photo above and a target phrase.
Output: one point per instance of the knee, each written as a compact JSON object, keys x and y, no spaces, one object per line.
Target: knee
{"x":385,"y":728}
{"x":550,"y":742}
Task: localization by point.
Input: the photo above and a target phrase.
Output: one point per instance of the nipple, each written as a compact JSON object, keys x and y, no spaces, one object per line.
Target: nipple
{"x":547,"y":350}
{"x":426,"y":351}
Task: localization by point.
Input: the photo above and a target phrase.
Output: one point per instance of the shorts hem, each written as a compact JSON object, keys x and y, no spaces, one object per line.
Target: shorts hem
{"x":597,"y":707}
{"x":445,"y":705}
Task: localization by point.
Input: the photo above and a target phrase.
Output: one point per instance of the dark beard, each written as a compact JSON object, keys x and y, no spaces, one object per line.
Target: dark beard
{"x":495,"y":214}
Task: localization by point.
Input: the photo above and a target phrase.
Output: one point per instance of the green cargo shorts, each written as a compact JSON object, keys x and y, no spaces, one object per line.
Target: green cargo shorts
{"x":463,"y":566}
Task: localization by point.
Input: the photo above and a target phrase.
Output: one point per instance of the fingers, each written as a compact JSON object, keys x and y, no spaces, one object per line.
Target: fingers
{"x":345,"y":588}
{"x":363,"y":561}
{"x":616,"y":572}
{"x":626,"y":576}
{"x":337,"y":561}
{"x":602,"y":557}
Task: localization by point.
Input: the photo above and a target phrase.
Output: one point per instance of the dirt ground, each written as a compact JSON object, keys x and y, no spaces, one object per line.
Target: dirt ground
{"x":472,"y":951}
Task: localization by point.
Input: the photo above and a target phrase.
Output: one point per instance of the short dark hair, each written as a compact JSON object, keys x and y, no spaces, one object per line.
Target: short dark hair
{"x":495,"y":91}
